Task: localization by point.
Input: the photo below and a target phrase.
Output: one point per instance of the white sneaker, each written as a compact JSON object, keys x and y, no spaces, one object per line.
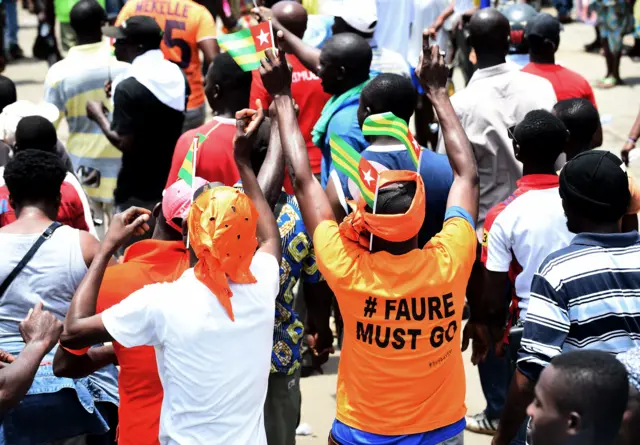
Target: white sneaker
{"x":481,"y":425}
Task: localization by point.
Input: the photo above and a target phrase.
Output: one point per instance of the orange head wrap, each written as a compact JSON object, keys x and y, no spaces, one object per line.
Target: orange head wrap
{"x":360,"y":224}
{"x":222,"y":232}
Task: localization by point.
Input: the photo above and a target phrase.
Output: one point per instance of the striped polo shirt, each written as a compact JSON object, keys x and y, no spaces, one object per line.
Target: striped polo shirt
{"x":585,"y":296}
{"x":69,"y":85}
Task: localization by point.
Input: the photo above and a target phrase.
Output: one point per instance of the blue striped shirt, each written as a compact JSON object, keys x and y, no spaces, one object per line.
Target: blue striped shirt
{"x":585,"y":296}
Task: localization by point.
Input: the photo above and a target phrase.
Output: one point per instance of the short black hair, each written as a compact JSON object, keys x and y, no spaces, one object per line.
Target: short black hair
{"x":390,"y":92}
{"x":87,"y":17}
{"x":8,"y":93}
{"x":225,"y":72}
{"x":593,"y":384}
{"x":580,"y":117}
{"x":541,"y":136}
{"x":396,"y":198}
{"x":34,"y":176}
{"x":37,"y":133}
{"x":351,"y":51}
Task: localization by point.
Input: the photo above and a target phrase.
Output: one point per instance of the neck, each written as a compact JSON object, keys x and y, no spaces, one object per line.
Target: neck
{"x":347,"y":84}
{"x":33,"y":213}
{"x":89,"y":39}
{"x":488,"y":60}
{"x":229,"y":108}
{"x":542,"y":58}
{"x":383,"y":140}
{"x":572,"y":150}
{"x":380,"y":245}
{"x":598,"y":227}
{"x":532,"y":169}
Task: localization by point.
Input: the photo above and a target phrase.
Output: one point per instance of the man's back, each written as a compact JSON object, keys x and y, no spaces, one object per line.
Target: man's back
{"x":69,"y":85}
{"x":567,"y":84}
{"x":496,"y":99}
{"x":185,"y":23}
{"x":214,"y":371}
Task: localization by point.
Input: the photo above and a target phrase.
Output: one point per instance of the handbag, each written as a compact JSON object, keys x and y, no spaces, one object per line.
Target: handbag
{"x":32,"y":251}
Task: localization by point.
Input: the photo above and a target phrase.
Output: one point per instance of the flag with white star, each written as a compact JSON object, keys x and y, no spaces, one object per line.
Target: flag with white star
{"x":248,"y":45}
{"x":347,"y":160}
{"x":388,"y":124}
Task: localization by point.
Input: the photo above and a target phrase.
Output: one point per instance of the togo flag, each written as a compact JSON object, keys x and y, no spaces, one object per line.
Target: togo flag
{"x":247,"y":46}
{"x":187,"y":169}
{"x":388,"y":124}
{"x":347,"y":160}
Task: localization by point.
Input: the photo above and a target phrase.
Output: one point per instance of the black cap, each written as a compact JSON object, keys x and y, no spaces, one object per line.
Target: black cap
{"x":595,"y":184}
{"x":140,"y":29}
{"x":544,"y":26}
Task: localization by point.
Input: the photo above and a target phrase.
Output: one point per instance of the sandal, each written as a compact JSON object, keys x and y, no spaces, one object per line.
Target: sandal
{"x":607,"y":82}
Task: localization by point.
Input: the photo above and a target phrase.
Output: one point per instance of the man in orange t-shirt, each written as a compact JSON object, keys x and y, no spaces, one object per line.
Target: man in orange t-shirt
{"x":401,"y":377}
{"x":306,"y":87}
{"x":161,"y":259}
{"x":188,"y":28}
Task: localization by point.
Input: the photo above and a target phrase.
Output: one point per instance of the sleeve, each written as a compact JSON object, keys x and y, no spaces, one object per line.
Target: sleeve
{"x":53,"y":95}
{"x":498,"y":247}
{"x":266,"y":270}
{"x":545,"y":329}
{"x":206,"y":26}
{"x":123,"y":111}
{"x":547,"y":95}
{"x":332,"y":255}
{"x":84,"y":216}
{"x":258,"y":91}
{"x":458,"y":239}
{"x":136,"y":320}
{"x":634,"y":205}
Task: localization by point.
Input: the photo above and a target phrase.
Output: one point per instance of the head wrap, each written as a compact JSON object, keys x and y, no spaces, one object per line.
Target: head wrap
{"x":222,"y":232}
{"x":360,"y":224}
{"x":631,"y":361}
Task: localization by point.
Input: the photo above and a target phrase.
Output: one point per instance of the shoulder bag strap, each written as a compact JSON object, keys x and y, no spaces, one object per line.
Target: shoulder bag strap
{"x":23,"y":262}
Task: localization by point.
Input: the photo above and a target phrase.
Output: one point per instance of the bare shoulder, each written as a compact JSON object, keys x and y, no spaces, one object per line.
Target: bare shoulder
{"x":89,"y":245}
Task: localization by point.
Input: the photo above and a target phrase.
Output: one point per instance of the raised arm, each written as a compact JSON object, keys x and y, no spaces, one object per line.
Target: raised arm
{"x":82,"y":327}
{"x":247,"y":124}
{"x":271,"y":175}
{"x":313,"y":202}
{"x":432,"y":73}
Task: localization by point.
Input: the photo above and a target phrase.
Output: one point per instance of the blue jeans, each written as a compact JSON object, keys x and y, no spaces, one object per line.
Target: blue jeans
{"x":11,"y":23}
{"x":495,"y":375}
{"x":564,"y":7}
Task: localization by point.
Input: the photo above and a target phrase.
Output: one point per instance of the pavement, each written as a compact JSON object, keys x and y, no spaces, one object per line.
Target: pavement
{"x":618,"y":107}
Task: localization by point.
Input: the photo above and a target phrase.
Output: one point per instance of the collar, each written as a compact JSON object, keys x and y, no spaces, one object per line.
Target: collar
{"x":492,"y":71}
{"x":607,"y":240}
{"x":225,"y":120}
{"x":82,"y":50}
{"x":153,"y":55}
{"x":538,"y":181}
{"x":155,"y":251}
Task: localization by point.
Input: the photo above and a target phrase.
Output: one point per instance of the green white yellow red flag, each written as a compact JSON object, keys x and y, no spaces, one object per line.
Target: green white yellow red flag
{"x":388,"y":124}
{"x":248,"y":45}
{"x":347,"y":160}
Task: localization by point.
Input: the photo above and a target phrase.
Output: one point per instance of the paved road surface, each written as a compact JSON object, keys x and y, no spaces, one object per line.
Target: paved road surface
{"x":618,"y":107}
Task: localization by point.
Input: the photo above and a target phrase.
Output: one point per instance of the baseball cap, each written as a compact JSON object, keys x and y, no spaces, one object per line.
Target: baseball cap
{"x":361,"y":15}
{"x":137,"y":29}
{"x":596,"y":184}
{"x":176,"y":200}
{"x":544,"y":26}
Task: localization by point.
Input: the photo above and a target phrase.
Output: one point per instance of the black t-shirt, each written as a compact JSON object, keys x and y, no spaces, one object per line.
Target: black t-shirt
{"x":156,"y":128}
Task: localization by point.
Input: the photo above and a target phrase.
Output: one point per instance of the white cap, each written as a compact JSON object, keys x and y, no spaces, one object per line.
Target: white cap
{"x":12,"y":114}
{"x":361,"y":15}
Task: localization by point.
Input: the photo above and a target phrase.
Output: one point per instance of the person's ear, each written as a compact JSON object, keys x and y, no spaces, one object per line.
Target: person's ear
{"x":217,"y":91}
{"x":341,"y":72}
{"x":574,"y":424}
{"x":156,"y":210}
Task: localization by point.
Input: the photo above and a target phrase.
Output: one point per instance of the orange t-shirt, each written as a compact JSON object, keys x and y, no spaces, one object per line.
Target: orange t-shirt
{"x":184,"y":24}
{"x":401,"y":369}
{"x":145,"y":262}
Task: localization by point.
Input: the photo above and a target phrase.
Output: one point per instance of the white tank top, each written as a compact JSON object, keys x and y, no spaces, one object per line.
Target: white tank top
{"x":52,"y":276}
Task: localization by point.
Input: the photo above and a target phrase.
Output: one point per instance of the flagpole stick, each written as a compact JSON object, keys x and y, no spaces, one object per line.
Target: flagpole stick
{"x":193,"y":175}
{"x":273,"y":38}
{"x":420,"y":159}
{"x":375,"y":203}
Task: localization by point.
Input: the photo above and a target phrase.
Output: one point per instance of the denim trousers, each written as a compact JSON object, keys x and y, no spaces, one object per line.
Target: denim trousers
{"x":11,"y":23}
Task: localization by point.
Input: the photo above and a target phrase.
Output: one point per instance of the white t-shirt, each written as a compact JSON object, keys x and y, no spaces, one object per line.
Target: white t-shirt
{"x":529,"y":228}
{"x":214,"y":371}
{"x":394,"y":21}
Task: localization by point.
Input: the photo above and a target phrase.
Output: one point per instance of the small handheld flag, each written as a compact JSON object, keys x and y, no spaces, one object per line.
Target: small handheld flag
{"x":388,"y":124}
{"x":187,"y":171}
{"x":248,"y":45}
{"x":356,"y":167}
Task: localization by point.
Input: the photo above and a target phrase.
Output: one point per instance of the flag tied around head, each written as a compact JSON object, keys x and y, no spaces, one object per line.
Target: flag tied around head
{"x":187,"y":169}
{"x":388,"y":124}
{"x":248,"y":45}
{"x":347,"y":160}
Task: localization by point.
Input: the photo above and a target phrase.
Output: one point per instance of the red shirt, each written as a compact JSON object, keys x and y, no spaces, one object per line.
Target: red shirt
{"x":566,"y":83}
{"x":214,"y":160}
{"x":145,"y":262}
{"x":306,"y":90}
{"x":71,"y":211}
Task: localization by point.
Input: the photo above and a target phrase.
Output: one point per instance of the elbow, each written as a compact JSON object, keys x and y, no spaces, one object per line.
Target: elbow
{"x":71,"y":339}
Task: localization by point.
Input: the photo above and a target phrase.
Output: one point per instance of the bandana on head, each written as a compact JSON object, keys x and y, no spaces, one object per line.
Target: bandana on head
{"x":222,"y":232}
{"x":360,"y":224}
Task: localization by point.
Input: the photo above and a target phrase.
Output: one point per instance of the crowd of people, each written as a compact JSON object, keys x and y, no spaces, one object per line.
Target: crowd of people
{"x":168,"y":278}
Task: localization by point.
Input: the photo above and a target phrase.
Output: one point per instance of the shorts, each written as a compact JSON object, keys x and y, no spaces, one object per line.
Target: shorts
{"x":615,"y":22}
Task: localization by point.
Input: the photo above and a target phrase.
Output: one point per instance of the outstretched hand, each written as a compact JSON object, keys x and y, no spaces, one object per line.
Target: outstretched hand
{"x":432,"y":70}
{"x":132,"y":221}
{"x":247,"y":124}
{"x":40,"y":326}
{"x":276,"y":72}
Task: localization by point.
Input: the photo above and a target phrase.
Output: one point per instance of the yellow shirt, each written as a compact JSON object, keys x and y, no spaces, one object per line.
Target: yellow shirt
{"x":401,"y":369}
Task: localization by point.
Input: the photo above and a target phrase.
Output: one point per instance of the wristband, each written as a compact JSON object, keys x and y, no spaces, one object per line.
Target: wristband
{"x":76,"y":352}
{"x":631,"y":141}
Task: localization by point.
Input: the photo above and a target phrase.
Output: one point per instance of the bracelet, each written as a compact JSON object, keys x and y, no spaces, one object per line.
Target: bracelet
{"x":632,"y":141}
